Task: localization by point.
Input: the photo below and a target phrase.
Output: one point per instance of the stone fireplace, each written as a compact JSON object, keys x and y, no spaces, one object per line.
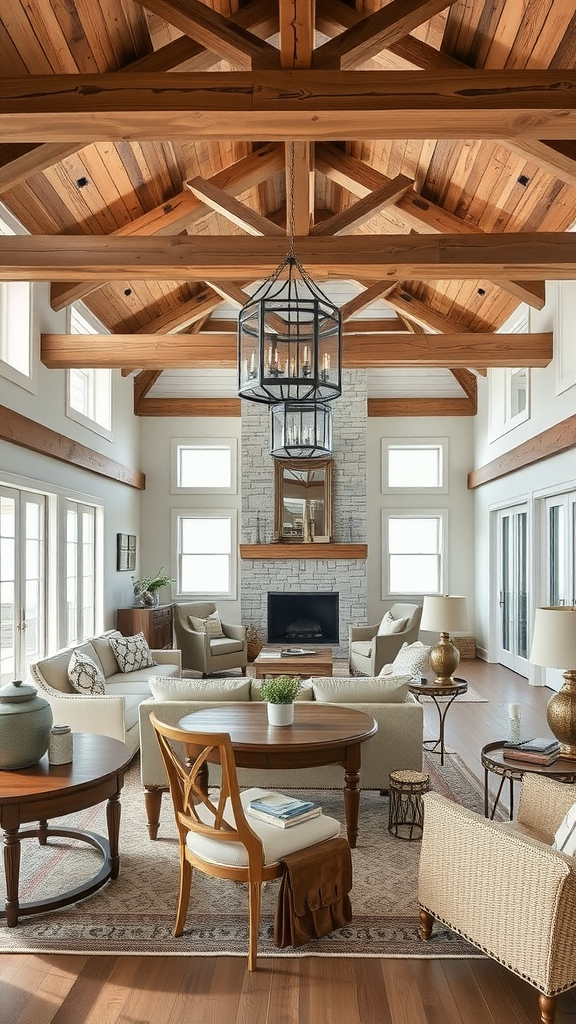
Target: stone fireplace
{"x":315,"y":571}
{"x":300,"y":617}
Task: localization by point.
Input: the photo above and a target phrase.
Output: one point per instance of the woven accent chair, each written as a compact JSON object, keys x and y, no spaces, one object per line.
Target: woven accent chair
{"x":368,"y":652}
{"x":502,"y":887}
{"x":217,"y":838}
{"x":207,"y":654}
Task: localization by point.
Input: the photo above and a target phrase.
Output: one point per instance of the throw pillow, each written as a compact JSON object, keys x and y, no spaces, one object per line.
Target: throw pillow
{"x":211,"y":625}
{"x":84,"y":674}
{"x":171,"y":688}
{"x":565,"y":838}
{"x":412,"y":659}
{"x":132,"y":652}
{"x":391,"y":625}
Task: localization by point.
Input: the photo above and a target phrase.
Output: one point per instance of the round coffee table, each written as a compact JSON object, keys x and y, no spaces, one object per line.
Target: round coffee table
{"x":46,"y":791}
{"x":321,"y":734}
{"x":493,"y":760}
{"x":437,"y":691}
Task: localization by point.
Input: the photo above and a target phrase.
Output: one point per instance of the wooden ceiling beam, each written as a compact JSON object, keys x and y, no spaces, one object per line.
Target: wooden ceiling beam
{"x":529,"y":256}
{"x":181,"y":211}
{"x":142,"y":384}
{"x":371,"y":294}
{"x":228,"y":40}
{"x":358,"y":213}
{"x":467,"y":381}
{"x":394,"y":407}
{"x":375,"y":32}
{"x":421,"y":214}
{"x":487,"y":104}
{"x":210,"y":351}
{"x":189,"y":407}
{"x":383,"y":325}
{"x":299,"y":161}
{"x":232,"y":209}
{"x":297,"y":22}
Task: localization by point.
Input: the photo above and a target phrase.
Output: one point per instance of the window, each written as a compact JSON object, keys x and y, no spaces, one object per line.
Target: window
{"x":205,"y":542}
{"x":89,"y":390}
{"x":417,"y":465}
{"x":204,"y":467}
{"x":414,"y":545}
{"x":80,"y":571}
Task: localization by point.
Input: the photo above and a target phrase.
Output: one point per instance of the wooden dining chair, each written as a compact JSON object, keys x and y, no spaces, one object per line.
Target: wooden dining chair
{"x":214,"y":833}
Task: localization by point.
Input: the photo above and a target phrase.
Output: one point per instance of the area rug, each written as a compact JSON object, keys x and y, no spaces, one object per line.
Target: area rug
{"x":135,"y":914}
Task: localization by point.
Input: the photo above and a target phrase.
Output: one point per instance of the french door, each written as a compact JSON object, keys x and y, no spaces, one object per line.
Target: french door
{"x":559,"y":560}
{"x":513,"y":590}
{"x":22,"y":581}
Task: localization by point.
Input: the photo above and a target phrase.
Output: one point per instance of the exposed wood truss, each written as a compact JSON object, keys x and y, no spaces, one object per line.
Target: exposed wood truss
{"x":559,"y":438}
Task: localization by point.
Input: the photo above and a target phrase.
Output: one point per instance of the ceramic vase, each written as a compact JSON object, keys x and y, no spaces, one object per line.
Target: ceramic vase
{"x":280,"y":714}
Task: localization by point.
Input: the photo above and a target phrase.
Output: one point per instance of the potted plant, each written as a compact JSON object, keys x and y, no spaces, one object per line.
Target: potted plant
{"x":280,"y":694}
{"x":146,"y":590}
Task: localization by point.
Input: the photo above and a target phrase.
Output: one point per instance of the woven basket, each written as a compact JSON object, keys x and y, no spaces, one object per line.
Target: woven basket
{"x":466,"y":645}
{"x":253,"y":642}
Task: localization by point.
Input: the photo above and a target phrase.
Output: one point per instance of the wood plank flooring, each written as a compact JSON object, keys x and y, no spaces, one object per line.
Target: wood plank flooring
{"x":219,"y":990}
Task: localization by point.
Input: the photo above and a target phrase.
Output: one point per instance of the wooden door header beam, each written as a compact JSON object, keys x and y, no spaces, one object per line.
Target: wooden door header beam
{"x":296,"y":105}
{"x":526,"y":256}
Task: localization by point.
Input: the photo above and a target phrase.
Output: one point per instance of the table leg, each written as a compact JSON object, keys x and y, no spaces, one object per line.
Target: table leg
{"x":437,"y":746}
{"x":352,"y":794}
{"x":113,"y":822}
{"x":12,"y":875}
{"x":42,"y":832}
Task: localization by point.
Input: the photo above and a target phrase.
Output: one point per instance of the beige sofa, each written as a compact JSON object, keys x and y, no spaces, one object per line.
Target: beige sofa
{"x":114,"y":713}
{"x":397,"y":744}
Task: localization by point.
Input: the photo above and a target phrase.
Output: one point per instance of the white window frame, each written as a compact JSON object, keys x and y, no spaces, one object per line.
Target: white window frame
{"x":228,"y":443}
{"x":177,"y":514}
{"x":439,"y":443}
{"x":95,"y":511}
{"x":99,"y":380}
{"x":500,"y":389}
{"x":414,"y":513}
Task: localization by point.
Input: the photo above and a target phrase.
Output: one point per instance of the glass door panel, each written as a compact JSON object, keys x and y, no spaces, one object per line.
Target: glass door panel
{"x":513,"y":591}
{"x":22,"y":581}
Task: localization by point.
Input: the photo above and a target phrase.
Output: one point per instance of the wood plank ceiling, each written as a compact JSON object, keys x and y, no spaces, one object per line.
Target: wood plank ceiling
{"x":413,"y":61}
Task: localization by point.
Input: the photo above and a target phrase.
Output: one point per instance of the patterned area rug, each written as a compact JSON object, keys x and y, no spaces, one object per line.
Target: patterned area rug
{"x":135,"y":914}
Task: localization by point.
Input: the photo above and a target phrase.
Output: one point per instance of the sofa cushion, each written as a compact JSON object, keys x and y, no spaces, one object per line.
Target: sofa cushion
{"x":211,"y":625}
{"x":412,"y":658}
{"x":132,"y":652}
{"x":305,"y":693}
{"x":391,"y":625}
{"x":105,"y":653}
{"x":369,"y":690}
{"x":137,"y":682}
{"x":164,"y":688}
{"x":55,"y":669}
{"x":225,"y":646}
{"x":85,"y":675}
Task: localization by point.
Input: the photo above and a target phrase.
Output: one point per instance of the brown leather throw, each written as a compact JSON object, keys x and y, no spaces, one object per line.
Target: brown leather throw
{"x":313,"y":898}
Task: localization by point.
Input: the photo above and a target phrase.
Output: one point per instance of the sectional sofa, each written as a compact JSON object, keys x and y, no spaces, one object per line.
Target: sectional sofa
{"x":397,"y":744}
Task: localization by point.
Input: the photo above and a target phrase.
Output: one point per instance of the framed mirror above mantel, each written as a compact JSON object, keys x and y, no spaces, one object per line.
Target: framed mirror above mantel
{"x":303,"y":501}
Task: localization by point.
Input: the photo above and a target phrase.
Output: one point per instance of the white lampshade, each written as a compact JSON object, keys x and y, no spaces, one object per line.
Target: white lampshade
{"x":554,"y":638}
{"x":444,"y":614}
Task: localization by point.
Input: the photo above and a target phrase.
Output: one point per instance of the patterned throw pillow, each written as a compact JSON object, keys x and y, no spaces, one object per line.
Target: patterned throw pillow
{"x":412,"y":659}
{"x":391,"y":625}
{"x":84,"y":674}
{"x":211,"y":625}
{"x":132,"y":652}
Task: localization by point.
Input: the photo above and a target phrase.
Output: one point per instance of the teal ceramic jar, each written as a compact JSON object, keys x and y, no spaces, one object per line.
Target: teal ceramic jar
{"x":25,"y":723}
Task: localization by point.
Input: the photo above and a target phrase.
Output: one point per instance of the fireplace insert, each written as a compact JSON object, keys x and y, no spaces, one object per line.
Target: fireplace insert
{"x":295,"y":617}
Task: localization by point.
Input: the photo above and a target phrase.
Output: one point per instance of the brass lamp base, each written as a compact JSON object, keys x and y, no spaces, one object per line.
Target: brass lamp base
{"x":561,"y":715}
{"x":444,"y":660}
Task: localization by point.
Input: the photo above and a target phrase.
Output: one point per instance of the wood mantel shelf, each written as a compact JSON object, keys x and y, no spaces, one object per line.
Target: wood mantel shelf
{"x":278,"y":551}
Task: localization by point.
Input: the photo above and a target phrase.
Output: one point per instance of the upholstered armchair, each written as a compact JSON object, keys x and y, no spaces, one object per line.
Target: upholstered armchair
{"x":503,"y":887}
{"x":368,"y":652}
{"x":202,"y":652}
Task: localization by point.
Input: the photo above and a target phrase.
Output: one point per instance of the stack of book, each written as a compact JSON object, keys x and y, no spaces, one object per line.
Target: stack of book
{"x":283,"y":811}
{"x":539,"y":750}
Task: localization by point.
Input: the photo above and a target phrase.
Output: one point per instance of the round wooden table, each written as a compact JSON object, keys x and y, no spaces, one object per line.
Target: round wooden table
{"x":436,"y":691}
{"x":46,"y":791}
{"x":321,"y":734}
{"x":493,"y":760}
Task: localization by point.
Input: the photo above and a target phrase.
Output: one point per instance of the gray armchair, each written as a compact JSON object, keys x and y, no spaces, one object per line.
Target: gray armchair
{"x":368,"y":652}
{"x":208,"y":654}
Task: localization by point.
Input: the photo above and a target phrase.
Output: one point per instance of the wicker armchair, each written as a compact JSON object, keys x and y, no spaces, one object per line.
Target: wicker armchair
{"x":503,"y":888}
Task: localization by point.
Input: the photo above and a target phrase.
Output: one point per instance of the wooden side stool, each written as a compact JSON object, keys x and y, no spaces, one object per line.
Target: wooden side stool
{"x":405,"y":813}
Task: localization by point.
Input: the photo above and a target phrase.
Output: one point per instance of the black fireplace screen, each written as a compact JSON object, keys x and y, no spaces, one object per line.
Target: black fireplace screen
{"x":296,"y":618}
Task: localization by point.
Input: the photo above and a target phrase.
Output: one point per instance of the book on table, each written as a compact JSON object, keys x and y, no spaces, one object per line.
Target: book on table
{"x":531,"y":756}
{"x":283,"y":811}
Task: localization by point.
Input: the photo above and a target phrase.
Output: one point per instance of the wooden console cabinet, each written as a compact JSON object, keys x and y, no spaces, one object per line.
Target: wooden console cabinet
{"x":155,"y":623}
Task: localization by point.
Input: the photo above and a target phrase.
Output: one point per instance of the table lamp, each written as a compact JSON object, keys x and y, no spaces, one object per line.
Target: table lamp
{"x":444,"y":615}
{"x":554,"y":646}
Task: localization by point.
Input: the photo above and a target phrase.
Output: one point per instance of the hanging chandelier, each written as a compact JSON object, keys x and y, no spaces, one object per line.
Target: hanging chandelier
{"x":300,"y":430}
{"x":289,"y":335}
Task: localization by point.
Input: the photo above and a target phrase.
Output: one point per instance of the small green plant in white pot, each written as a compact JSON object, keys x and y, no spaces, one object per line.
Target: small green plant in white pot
{"x":280,"y":694}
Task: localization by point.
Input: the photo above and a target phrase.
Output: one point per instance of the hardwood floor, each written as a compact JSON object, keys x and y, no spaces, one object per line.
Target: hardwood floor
{"x":219,"y":990}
